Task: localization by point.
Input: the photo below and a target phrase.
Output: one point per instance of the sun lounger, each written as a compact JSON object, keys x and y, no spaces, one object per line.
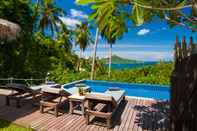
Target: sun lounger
{"x":111,"y":100}
{"x":52,"y":98}
{"x":22,"y":91}
{"x":58,"y":97}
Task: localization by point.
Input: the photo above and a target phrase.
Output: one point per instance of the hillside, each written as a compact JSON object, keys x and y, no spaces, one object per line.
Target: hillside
{"x":118,"y":60}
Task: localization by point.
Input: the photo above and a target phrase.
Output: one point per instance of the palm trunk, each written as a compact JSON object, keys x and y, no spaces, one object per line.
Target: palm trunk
{"x":78,"y":63}
{"x":110,"y":60}
{"x":94,"y":54}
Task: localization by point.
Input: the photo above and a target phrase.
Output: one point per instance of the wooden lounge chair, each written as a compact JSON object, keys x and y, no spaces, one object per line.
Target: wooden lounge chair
{"x":19,"y":92}
{"x":111,"y":100}
{"x":53,"y":98}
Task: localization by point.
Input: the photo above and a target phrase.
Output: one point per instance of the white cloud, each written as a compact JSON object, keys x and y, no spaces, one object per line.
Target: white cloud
{"x":126,"y":46}
{"x":136,"y":55}
{"x":71,"y":22}
{"x":78,"y":14}
{"x":143,"y":32}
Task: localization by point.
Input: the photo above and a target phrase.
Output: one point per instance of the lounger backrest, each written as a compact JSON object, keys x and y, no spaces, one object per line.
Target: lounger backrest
{"x":52,"y":90}
{"x":101,"y":97}
{"x":17,"y":87}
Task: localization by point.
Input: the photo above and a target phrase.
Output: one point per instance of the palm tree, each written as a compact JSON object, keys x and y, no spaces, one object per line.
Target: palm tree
{"x":144,"y":11}
{"x":115,"y":28}
{"x":83,"y":39}
{"x":94,"y":54}
{"x":47,"y":15}
{"x":64,"y":39}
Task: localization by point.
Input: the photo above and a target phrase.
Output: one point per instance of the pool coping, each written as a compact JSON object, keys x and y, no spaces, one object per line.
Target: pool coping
{"x":145,"y":98}
{"x":155,"y":85}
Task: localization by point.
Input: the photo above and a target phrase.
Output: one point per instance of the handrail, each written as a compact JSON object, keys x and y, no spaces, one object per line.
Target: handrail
{"x":11,"y":80}
{"x":19,"y":79}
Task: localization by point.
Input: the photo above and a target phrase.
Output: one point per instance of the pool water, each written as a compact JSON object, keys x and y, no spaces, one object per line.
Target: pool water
{"x":156,"y":92}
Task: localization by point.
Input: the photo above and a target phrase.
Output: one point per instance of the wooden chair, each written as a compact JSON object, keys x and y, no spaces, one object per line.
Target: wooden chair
{"x":111,"y":101}
{"x":52,"y":98}
{"x":19,"y":92}
{"x":57,"y":97}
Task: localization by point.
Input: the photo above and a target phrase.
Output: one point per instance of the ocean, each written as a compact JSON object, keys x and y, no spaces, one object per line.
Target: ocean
{"x":128,"y":66}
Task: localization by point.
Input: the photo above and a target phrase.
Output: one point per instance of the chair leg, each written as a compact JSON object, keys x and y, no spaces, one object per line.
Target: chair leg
{"x":124,"y":98}
{"x":56,"y":111}
{"x":109,"y":122}
{"x":7,"y":101}
{"x":41,"y":108}
{"x":87,"y":118}
{"x":18,"y":103}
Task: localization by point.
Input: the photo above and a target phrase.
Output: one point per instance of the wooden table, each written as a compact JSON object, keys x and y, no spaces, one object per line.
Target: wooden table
{"x":76,"y":101}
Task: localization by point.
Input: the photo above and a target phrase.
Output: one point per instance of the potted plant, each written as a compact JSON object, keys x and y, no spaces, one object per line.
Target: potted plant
{"x":81,"y":91}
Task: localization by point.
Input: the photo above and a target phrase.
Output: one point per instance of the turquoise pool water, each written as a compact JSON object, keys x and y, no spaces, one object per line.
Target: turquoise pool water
{"x":157,"y":92}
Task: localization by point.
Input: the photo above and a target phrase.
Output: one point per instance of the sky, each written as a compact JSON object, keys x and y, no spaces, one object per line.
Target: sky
{"x":150,"y":42}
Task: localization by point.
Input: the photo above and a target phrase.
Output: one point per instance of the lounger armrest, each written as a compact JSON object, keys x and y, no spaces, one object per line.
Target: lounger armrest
{"x":101,"y":98}
{"x":52,"y":90}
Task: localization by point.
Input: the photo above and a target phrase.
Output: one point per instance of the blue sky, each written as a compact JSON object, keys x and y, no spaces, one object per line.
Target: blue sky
{"x":149,"y":42}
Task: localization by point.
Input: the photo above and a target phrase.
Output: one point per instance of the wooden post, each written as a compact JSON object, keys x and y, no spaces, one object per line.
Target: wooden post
{"x":184,"y":48}
{"x":191,"y":46}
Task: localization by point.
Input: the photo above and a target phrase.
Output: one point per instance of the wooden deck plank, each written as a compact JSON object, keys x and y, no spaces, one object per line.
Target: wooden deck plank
{"x":122,"y":118}
{"x":129,"y":123}
{"x":133,"y":115}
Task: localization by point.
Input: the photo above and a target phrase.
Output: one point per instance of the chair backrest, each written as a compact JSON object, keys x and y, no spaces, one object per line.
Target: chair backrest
{"x":101,"y":98}
{"x":17,"y":87}
{"x":51,"y":90}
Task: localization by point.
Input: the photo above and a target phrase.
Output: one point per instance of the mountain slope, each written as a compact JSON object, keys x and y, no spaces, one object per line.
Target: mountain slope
{"x":119,"y":60}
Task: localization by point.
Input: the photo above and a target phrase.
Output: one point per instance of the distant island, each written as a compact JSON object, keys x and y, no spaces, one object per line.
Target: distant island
{"x":119,"y":60}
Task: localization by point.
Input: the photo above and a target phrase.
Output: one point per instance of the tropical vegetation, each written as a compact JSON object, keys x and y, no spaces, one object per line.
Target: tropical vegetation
{"x":154,"y":74}
{"x":45,"y":44}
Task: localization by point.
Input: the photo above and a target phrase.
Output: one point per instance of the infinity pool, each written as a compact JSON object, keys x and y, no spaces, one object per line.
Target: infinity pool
{"x":156,"y":92}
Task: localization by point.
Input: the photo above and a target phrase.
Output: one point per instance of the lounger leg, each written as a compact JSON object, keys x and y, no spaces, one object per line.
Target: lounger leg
{"x":56,"y":111}
{"x":82,"y":108}
{"x":71,"y":106}
{"x":18,"y":103}
{"x":124,"y":98}
{"x":7,"y":101}
{"x":109,"y":122}
{"x":87,"y":118}
{"x":41,"y":108}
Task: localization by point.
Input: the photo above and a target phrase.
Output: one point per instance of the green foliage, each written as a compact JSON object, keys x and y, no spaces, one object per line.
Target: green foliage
{"x":82,"y":36}
{"x":34,"y":54}
{"x":47,"y":16}
{"x":63,"y":76}
{"x":7,"y":126}
{"x":155,"y":74}
{"x":17,"y":11}
{"x":143,"y":11}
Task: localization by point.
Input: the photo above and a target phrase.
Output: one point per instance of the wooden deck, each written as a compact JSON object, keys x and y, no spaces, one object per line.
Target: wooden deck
{"x":133,"y":115}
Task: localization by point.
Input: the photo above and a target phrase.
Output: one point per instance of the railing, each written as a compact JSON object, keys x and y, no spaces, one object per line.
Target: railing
{"x":29,"y":81}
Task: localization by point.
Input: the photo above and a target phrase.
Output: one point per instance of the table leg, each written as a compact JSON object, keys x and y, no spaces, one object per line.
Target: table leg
{"x":71,"y":106}
{"x":82,"y":108}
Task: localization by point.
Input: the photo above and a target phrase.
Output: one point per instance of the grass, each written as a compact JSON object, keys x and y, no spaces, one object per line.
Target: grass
{"x":8,"y":126}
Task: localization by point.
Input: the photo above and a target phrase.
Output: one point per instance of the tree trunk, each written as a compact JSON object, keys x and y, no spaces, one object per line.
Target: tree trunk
{"x":78,"y":62}
{"x":94,"y":54}
{"x":110,"y":60}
